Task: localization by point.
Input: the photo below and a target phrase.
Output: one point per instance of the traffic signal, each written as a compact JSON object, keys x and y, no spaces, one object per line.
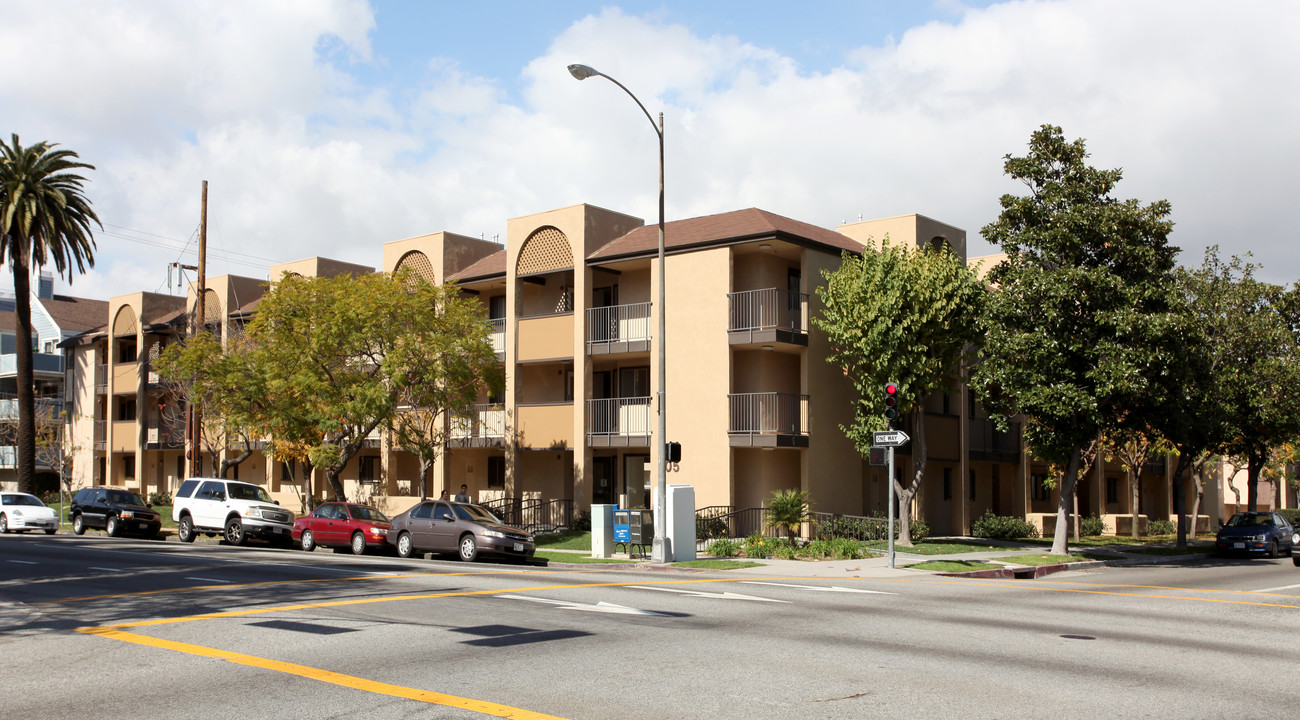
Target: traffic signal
{"x":673,"y":452}
{"x":878,"y":456}
{"x":891,"y":401}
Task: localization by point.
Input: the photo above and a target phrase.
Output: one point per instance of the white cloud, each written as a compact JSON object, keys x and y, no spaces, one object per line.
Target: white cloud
{"x":262,"y":100}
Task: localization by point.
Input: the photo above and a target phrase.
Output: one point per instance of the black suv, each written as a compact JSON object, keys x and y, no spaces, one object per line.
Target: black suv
{"x":116,"y":510}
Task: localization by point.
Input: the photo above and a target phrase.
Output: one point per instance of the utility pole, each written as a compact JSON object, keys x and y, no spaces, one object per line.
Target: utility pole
{"x":195,"y":416}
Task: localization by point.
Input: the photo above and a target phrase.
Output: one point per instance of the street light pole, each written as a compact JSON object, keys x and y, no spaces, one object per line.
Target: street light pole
{"x":661,"y":551}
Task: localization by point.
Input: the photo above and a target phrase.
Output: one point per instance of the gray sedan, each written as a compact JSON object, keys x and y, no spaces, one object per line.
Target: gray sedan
{"x":449,"y":527}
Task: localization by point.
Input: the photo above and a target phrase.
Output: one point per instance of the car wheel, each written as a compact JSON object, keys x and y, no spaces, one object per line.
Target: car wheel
{"x":113,"y":526}
{"x":185,"y":530}
{"x":1295,"y":560}
{"x":358,"y":544}
{"x":308,"y":541}
{"x":405,"y":548}
{"x":468,"y":548}
{"x":235,"y":532}
{"x":4,"y":523}
{"x":50,"y":531}
{"x":78,"y":525}
{"x":1272,"y":549}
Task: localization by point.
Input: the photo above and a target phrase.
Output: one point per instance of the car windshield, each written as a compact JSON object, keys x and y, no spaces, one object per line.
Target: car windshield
{"x":1246,"y":520}
{"x":22,"y":500}
{"x":240,"y":491}
{"x":124,"y":498}
{"x":361,"y":512}
{"x":474,"y":513}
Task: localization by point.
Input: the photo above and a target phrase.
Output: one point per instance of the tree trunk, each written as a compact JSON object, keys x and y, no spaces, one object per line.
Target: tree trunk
{"x":1060,"y":541}
{"x":1180,"y":502}
{"x":20,"y":260}
{"x":307,"y":470}
{"x":1135,"y":507}
{"x":1254,"y":463}
{"x":918,"y":467}
{"x":1198,"y":472}
{"x":1075,"y":523}
{"x":426,"y":467}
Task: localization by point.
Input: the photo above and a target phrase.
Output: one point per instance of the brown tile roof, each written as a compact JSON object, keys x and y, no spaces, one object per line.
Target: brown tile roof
{"x":76,"y":314}
{"x":748,"y":224}
{"x":490,"y":266}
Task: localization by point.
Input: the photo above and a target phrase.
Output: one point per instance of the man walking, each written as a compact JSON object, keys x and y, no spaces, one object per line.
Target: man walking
{"x":463,"y":495}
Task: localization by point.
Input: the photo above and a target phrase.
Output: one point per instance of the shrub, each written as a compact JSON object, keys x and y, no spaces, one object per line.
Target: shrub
{"x":724,"y":548}
{"x":51,"y":498}
{"x":788,"y":509}
{"x":786,"y":551}
{"x":1002,"y":527}
{"x":583,"y":522}
{"x":857,"y":528}
{"x":160,"y":498}
{"x":1290,"y":515}
{"x":837,"y":548}
{"x":1091,"y":526}
{"x":760,"y":546}
{"x":920,"y":529}
{"x":710,"y":527}
{"x":1162,"y":527}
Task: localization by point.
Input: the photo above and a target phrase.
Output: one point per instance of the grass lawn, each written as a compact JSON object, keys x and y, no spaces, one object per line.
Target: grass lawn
{"x":718,"y":564}
{"x":954,"y":565}
{"x":1037,"y":559}
{"x":927,"y":547}
{"x":565,"y":557}
{"x":570,"y":540}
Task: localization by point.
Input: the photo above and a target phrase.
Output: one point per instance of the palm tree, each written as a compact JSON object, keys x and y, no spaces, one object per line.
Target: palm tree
{"x":43,"y":217}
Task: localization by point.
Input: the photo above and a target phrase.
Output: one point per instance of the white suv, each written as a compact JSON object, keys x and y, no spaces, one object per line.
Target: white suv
{"x":233,"y":509}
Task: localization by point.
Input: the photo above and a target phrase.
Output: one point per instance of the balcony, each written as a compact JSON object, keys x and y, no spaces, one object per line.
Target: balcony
{"x":164,"y":436}
{"x":544,"y":338}
{"x":43,"y":365}
{"x":9,"y":457}
{"x":101,"y":435}
{"x":618,"y":329}
{"x":497,"y":336}
{"x":766,"y":316}
{"x":987,"y":443}
{"x":768,"y":420}
{"x":619,"y":422}
{"x":484,"y":427}
{"x":47,"y":409}
{"x":101,"y":379}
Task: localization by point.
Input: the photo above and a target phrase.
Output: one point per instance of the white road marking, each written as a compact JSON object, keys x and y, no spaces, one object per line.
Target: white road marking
{"x":820,"y":588}
{"x":598,"y":607}
{"x":701,"y":593}
{"x":106,"y":569}
{"x":1284,"y":587}
{"x":203,"y":579}
{"x":24,"y":562}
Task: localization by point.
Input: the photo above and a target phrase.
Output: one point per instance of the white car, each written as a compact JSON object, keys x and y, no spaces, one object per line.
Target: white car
{"x":21,"y":512}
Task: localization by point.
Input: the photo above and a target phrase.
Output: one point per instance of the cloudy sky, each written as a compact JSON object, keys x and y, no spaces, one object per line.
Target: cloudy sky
{"x":330,"y":127}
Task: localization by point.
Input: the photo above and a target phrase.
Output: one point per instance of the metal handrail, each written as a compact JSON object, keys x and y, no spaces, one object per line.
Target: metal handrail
{"x":767,"y":309}
{"x":628,"y":416}
{"x":772,"y":413}
{"x":618,"y":323}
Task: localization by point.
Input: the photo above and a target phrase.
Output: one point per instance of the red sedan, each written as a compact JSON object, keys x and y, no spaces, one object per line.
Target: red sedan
{"x":340,"y":524}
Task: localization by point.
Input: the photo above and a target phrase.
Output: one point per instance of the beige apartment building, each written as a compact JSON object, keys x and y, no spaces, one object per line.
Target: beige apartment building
{"x":570,"y":295}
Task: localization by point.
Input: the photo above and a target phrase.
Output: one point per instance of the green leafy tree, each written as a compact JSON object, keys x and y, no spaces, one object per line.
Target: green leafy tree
{"x":44,"y":218}
{"x":223,"y":385}
{"x":341,"y":356}
{"x":1250,"y":333}
{"x":1079,"y":301}
{"x":788,"y":509}
{"x":901,"y":315}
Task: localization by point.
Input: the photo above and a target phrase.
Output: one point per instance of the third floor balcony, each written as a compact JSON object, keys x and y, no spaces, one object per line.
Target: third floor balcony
{"x":618,"y":329}
{"x":619,"y":422}
{"x":771,"y":419}
{"x":766,"y":316}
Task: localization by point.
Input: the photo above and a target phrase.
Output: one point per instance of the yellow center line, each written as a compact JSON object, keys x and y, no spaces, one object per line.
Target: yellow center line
{"x":326,"y":676}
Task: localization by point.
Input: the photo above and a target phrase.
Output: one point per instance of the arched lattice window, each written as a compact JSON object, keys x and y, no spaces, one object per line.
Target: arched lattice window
{"x":546,"y":250}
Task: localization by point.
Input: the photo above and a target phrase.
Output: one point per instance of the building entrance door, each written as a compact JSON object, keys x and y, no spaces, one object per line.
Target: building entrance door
{"x":603,"y":481}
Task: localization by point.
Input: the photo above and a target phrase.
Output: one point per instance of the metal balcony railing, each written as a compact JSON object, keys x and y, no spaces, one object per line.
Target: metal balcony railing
{"x":47,"y":408}
{"x":101,"y":434}
{"x":626,"y":417}
{"x":770,"y":413}
{"x":768,"y":309}
{"x":46,"y":363}
{"x":618,"y":324}
{"x":986,"y":438}
{"x":485,"y":422}
{"x":497,"y":335}
{"x":101,"y":379}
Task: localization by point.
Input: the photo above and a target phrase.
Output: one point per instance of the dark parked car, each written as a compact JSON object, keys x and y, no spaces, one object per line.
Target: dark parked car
{"x":467,"y":530}
{"x":337,"y":524}
{"x":1256,"y":532}
{"x":116,"y":510}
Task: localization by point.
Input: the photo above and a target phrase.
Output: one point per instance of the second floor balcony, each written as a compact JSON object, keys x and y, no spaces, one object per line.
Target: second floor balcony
{"x":987,"y":442}
{"x":772,"y":419}
{"x":619,"y":422}
{"x":485,"y":426}
{"x":618,"y":329}
{"x":43,"y":365}
{"x":766,"y":316}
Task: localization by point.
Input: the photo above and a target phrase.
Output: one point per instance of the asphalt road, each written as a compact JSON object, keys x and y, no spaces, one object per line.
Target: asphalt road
{"x":115,"y":628}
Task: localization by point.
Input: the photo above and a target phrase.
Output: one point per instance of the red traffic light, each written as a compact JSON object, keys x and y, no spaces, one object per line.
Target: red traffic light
{"x":891,"y":401}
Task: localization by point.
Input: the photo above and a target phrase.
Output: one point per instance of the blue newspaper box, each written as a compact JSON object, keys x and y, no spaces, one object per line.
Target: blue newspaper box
{"x":622,"y":526}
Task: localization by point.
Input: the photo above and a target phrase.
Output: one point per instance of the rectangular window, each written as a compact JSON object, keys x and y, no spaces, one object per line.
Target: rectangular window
{"x":1038,"y":487}
{"x":1112,"y":490}
{"x":972,"y":484}
{"x":126,"y":350}
{"x":496,"y":470}
{"x":947,"y":483}
{"x":128,"y":466}
{"x":125,"y":410}
{"x":366,"y":471}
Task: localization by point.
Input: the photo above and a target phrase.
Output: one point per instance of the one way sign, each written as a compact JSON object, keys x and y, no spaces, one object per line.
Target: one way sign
{"x":889,"y":438}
